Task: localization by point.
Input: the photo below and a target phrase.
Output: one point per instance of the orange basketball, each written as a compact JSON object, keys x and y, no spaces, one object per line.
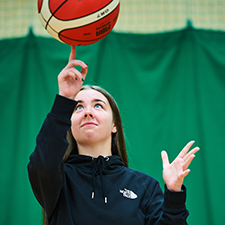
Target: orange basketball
{"x":78,"y":22}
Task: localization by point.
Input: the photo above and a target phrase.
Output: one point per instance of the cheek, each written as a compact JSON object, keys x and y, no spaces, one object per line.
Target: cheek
{"x":74,"y":124}
{"x":108,"y":123}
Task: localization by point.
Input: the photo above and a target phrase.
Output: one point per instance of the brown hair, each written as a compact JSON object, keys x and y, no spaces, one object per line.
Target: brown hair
{"x":118,"y":141}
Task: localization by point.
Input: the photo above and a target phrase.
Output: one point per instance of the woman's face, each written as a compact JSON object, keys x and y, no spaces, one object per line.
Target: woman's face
{"x":92,"y":120}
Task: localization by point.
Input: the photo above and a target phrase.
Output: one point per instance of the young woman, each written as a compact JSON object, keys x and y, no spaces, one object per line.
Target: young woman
{"x":79,"y":170}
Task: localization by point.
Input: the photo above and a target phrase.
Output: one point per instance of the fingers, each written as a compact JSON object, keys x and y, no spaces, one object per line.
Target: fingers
{"x":174,"y":173}
{"x":189,"y":157}
{"x":83,"y":66}
{"x":75,"y":74}
{"x":84,"y":72}
{"x":185,"y":149}
{"x":71,"y":67}
{"x":165,"y":159}
{"x":73,"y":63}
{"x":185,"y":173}
{"x":72,"y":53}
{"x":188,"y":162}
{"x":192,"y":152}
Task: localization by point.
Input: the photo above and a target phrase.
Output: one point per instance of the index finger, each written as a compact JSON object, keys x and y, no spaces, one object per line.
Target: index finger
{"x":72,"y":53}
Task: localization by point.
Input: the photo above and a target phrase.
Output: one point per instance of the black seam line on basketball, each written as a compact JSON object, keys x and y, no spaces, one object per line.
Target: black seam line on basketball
{"x":82,"y":25}
{"x":88,"y":14}
{"x":43,"y":17}
{"x":79,"y":27}
{"x":54,"y":13}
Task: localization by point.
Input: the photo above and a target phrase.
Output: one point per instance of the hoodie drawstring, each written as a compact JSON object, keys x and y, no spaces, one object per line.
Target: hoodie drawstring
{"x":99,"y":169}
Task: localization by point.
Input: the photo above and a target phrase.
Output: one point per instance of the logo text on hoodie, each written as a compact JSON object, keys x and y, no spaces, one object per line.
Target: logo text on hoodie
{"x":128,"y":194}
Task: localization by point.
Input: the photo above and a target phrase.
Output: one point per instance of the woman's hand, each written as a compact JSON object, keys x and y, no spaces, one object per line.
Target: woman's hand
{"x":70,"y":80}
{"x":174,"y":173}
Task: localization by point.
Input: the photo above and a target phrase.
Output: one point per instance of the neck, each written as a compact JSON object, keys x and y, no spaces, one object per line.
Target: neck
{"x":94,"y":150}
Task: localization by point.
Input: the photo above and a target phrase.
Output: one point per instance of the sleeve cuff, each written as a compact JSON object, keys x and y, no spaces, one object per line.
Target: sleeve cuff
{"x":175,"y":200}
{"x":63,"y":107}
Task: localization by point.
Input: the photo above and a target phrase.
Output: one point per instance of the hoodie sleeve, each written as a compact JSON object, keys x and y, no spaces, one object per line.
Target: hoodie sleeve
{"x":174,"y":208}
{"x":46,"y":166}
{"x":167,"y":209}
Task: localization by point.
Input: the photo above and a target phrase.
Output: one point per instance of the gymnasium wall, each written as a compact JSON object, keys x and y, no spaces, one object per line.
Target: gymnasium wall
{"x":164,"y":63}
{"x":143,"y":16}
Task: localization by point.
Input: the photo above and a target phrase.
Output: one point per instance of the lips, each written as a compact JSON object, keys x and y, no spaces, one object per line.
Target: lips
{"x":88,"y":124}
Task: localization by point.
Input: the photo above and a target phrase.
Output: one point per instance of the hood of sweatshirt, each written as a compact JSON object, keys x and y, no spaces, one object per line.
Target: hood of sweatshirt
{"x":100,"y":166}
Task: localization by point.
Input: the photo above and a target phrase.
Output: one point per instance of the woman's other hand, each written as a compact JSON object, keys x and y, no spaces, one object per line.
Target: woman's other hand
{"x":174,"y":173}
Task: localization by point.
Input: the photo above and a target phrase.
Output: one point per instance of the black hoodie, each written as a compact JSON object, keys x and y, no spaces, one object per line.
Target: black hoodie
{"x":101,"y":191}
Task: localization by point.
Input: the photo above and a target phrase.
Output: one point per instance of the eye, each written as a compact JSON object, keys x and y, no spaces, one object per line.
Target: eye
{"x":98,"y":106}
{"x":79,"y":107}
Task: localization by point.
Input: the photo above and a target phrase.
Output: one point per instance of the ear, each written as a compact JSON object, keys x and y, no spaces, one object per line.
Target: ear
{"x":114,"y":129}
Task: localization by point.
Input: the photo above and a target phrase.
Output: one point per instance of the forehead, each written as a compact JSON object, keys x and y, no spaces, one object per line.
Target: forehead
{"x":89,"y":95}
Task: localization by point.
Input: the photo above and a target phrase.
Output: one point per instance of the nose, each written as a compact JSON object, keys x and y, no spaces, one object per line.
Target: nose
{"x":88,"y":113}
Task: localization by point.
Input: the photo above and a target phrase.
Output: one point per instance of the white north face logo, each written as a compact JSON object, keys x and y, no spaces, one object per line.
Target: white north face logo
{"x":128,"y":194}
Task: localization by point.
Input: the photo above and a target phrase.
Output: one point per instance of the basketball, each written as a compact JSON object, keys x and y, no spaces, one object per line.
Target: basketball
{"x":78,"y":22}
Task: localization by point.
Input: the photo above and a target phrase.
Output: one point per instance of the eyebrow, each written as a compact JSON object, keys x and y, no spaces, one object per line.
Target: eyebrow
{"x":94,"y":100}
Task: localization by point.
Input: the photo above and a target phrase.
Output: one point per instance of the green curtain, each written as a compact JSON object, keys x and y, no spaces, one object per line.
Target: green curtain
{"x":170,"y":89}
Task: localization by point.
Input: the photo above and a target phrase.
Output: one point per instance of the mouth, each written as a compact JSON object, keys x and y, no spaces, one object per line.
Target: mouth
{"x":89,"y":124}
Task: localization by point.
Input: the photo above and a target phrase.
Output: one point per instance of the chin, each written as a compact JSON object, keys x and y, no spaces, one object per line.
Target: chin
{"x":89,"y":135}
